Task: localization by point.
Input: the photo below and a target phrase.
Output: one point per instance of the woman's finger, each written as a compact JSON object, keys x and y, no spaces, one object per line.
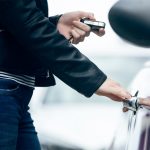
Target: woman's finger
{"x":76,"y":37}
{"x":125,"y":109}
{"x":144,"y":101}
{"x":100,"y":32}
{"x":81,"y":26}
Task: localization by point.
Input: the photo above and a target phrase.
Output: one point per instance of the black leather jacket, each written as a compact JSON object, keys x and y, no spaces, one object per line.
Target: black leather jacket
{"x":31,"y":44}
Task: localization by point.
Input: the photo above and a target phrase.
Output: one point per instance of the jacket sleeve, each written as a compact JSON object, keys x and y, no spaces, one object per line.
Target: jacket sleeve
{"x":54,"y":19}
{"x":40,"y":38}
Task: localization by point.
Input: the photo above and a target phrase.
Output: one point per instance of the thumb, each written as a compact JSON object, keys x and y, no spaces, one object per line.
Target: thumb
{"x":144,"y":101}
{"x":125,"y":109}
{"x":89,"y":15}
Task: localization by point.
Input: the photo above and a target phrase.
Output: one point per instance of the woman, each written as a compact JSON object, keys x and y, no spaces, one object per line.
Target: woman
{"x":33,"y":47}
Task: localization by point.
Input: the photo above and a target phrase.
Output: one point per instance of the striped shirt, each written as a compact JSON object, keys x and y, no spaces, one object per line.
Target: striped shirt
{"x":22,"y":79}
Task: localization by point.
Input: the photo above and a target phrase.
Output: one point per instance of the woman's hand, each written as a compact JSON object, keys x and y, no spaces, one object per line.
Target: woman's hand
{"x":69,"y":25}
{"x":113,"y":90}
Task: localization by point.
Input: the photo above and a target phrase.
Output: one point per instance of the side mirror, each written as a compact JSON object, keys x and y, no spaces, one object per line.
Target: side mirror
{"x":130,"y":19}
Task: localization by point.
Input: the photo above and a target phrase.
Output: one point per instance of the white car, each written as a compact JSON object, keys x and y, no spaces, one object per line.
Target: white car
{"x":134,"y":133}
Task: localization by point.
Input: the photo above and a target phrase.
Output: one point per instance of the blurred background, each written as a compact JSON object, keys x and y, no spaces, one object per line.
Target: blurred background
{"x":66,"y":120}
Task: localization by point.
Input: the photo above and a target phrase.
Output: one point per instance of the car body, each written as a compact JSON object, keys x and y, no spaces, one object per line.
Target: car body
{"x":134,"y":133}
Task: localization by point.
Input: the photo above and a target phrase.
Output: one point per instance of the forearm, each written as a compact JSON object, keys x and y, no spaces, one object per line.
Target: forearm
{"x":79,"y":73}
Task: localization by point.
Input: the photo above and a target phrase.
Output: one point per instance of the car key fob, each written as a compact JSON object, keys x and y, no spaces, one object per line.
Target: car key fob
{"x":95,"y":25}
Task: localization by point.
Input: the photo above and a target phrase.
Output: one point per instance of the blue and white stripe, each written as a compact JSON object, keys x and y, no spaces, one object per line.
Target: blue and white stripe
{"x":22,"y":79}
